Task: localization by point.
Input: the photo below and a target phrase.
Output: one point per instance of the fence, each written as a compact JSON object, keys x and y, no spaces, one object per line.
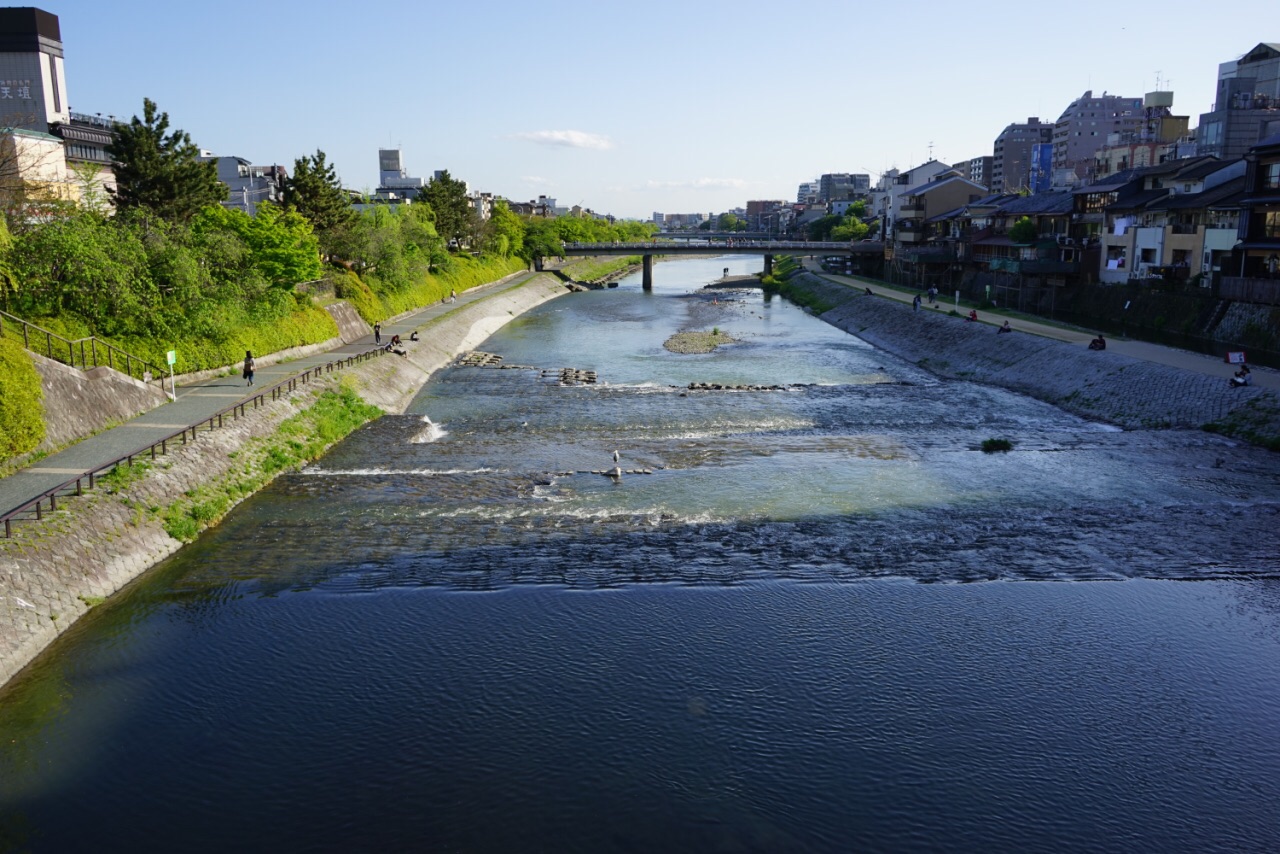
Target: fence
{"x":34,"y":508}
{"x":82,"y":353}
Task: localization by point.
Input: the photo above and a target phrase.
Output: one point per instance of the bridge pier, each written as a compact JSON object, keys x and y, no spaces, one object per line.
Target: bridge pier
{"x":768,"y":265}
{"x":646,"y":281}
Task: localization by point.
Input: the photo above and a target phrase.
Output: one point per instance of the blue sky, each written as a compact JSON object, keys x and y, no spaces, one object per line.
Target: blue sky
{"x":630,"y":108}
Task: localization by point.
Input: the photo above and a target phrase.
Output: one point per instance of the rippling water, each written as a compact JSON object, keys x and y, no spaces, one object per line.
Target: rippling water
{"x":732,"y":650}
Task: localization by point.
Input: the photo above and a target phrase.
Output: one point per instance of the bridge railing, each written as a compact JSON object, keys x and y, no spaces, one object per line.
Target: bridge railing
{"x":805,"y":246}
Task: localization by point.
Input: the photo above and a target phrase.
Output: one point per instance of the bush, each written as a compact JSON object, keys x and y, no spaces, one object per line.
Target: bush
{"x":21,"y":410}
{"x":996,"y":446}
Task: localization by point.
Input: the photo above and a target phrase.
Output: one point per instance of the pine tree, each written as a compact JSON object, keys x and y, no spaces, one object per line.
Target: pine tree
{"x":160,"y":174}
{"x":314,"y":191}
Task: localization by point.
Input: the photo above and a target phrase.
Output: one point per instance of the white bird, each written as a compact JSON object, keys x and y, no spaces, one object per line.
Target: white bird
{"x":616,"y":457}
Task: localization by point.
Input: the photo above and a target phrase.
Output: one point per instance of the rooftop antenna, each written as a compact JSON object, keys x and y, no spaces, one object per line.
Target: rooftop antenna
{"x":930,"y":150}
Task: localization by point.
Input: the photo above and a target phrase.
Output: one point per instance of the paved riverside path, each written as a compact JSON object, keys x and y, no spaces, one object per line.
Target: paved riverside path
{"x":200,"y":400}
{"x":1201,"y":363}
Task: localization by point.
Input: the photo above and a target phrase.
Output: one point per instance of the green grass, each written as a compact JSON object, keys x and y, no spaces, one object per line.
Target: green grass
{"x":298,"y":440}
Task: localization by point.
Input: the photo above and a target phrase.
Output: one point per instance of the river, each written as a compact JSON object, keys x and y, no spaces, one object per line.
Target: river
{"x":810,"y":618}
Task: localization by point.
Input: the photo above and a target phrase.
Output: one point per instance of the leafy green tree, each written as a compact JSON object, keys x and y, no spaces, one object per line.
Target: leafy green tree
{"x":281,"y":244}
{"x":314,"y":191}
{"x":820,"y":229}
{"x":1023,"y":231}
{"x":730,"y":222}
{"x":158,"y":173}
{"x":507,"y":230}
{"x":851,"y":228}
{"x":448,"y":199}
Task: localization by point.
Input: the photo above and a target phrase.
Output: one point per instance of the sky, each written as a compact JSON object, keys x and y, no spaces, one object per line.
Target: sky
{"x":632,"y":108}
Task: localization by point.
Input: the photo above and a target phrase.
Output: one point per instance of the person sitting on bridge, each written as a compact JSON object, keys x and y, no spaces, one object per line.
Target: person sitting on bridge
{"x":1098,"y":343}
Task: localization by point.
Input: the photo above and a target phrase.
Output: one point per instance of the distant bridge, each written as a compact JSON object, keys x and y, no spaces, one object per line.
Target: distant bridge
{"x":731,"y":246}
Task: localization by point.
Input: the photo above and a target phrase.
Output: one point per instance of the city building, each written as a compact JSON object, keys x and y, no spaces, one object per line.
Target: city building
{"x":1257,"y":276}
{"x":976,"y":169}
{"x":1083,"y":128}
{"x":1011,"y":157}
{"x":1247,"y":106}
{"x":839,"y":186}
{"x":893,"y":184}
{"x":50,"y":153}
{"x":394,"y":181}
{"x":807,"y":193}
{"x":765,"y":215}
{"x":1161,"y":136}
{"x":247,"y":185}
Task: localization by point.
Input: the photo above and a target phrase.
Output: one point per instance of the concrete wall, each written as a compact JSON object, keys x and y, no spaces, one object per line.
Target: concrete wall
{"x":351,"y":326}
{"x":79,"y":403}
{"x":1103,"y":386}
{"x":96,"y":544}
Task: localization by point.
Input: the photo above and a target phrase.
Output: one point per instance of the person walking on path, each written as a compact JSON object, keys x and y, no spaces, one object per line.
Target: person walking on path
{"x":915,"y":303}
{"x":248,"y":366}
{"x":377,"y":333}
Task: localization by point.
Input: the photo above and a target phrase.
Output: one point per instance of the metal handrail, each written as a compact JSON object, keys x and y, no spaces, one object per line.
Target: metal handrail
{"x":81,"y":353}
{"x":236,"y":410}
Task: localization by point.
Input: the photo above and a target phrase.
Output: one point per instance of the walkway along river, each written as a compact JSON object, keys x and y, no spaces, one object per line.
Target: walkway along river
{"x":449,"y":633}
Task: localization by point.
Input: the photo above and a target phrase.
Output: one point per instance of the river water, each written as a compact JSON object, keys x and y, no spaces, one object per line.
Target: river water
{"x":821,"y":620}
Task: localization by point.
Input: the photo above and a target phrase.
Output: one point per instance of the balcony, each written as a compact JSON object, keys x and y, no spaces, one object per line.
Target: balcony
{"x":911,"y":207}
{"x":1184,"y":228}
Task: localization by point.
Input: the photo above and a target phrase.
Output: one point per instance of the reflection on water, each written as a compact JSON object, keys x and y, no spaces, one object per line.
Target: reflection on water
{"x":714,"y":651}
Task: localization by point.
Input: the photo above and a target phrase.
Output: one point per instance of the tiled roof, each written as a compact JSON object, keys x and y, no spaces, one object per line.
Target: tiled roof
{"x":1214,"y":196}
{"x":1052,"y":202}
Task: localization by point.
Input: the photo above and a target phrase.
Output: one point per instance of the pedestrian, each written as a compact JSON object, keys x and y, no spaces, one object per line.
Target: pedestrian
{"x":453,"y":295}
{"x":915,"y":303}
{"x":377,"y":333}
{"x":933,"y":296}
{"x":1098,"y":343}
{"x":1005,"y":328}
{"x":248,"y":366}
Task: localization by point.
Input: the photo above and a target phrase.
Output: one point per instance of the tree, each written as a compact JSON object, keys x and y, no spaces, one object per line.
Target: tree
{"x":161,"y":174}
{"x":314,"y":191}
{"x":281,"y":243}
{"x":730,"y":222}
{"x":507,"y":230}
{"x":448,"y":198}
{"x":1023,"y":231}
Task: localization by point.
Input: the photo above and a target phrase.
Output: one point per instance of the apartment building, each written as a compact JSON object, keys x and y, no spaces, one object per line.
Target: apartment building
{"x":1011,"y":158}
{"x":1247,"y":106}
{"x":1083,"y":128}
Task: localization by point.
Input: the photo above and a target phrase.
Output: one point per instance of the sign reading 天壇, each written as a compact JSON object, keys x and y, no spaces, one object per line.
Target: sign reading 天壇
{"x":15,"y":90}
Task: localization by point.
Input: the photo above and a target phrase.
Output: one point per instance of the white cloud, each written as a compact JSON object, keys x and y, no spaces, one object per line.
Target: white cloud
{"x":567,"y":139}
{"x":698,"y":184}
{"x":536,"y":180}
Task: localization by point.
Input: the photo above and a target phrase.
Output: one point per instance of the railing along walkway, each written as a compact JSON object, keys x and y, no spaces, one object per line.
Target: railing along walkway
{"x":35,"y":508}
{"x":82,"y":353}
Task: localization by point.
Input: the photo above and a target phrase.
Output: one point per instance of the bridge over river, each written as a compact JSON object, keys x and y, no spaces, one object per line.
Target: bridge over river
{"x":731,"y":246}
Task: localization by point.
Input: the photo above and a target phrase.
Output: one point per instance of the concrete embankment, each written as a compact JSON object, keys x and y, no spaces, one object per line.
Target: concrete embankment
{"x":54,"y":570}
{"x":1105,"y":386}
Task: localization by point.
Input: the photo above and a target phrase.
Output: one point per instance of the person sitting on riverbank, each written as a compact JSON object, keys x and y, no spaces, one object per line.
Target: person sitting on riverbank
{"x":1098,"y":343}
{"x":395,"y":340}
{"x":1005,"y":328}
{"x":973,"y":316}
{"x":1242,"y":377}
{"x":869,"y":293}
{"x":413,"y":336}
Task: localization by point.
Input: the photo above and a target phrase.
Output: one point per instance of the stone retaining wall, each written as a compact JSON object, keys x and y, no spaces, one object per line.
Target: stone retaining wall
{"x":79,"y":403}
{"x":94,"y":545}
{"x":1104,"y":386}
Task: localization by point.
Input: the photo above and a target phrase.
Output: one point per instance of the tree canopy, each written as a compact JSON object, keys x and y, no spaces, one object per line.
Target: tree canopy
{"x":1023,"y":231}
{"x":161,"y":173}
{"x":448,"y":199}
{"x":314,"y":191}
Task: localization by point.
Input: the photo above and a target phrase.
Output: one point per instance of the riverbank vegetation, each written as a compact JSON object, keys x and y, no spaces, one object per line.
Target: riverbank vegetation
{"x":21,"y":411}
{"x":300,"y":439}
{"x":169,"y":268}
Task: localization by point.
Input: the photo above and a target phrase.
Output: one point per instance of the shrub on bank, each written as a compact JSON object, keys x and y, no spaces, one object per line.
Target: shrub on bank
{"x":21,"y":410}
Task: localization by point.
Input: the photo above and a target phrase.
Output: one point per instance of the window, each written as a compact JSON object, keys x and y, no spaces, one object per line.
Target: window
{"x":1271,"y":176}
{"x":1271,"y":225}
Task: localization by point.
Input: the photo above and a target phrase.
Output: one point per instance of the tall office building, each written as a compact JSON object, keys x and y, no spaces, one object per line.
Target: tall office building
{"x":33,"y":84}
{"x":1083,"y":128}
{"x":1011,"y":155}
{"x":1247,"y":108}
